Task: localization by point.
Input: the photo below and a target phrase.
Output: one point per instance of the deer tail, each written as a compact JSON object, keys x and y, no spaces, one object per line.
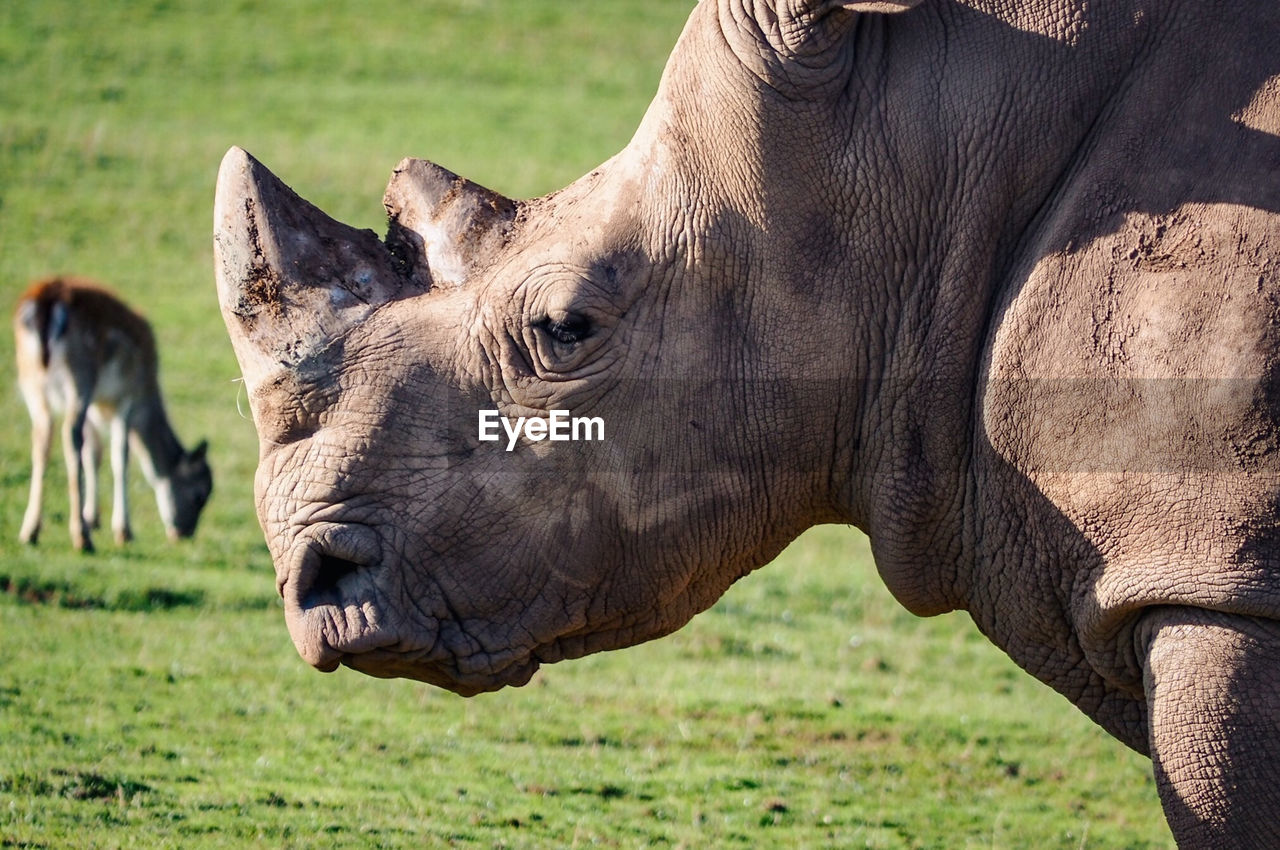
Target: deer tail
{"x":47,"y":320}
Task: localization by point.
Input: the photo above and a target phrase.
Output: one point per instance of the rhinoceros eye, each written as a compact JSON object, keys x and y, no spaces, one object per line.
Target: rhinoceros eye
{"x":567,"y":330}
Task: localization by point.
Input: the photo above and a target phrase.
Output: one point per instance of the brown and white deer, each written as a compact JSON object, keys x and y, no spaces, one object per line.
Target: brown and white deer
{"x":85,"y":354}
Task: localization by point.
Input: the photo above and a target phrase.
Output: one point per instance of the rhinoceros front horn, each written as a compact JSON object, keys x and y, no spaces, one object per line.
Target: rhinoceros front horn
{"x":291,"y":280}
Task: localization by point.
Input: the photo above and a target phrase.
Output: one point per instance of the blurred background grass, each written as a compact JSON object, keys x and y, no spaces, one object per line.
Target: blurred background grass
{"x":149,"y":696}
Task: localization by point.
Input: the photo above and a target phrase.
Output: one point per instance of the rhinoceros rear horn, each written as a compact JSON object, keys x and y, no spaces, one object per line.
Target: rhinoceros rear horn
{"x":442,"y":225}
{"x":291,"y":279}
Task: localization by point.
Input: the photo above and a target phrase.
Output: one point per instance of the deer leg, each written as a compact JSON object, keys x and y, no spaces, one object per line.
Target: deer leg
{"x":90,"y":461}
{"x":41,"y":437}
{"x":72,"y":448}
{"x":120,"y":478}
{"x":1213,"y":694}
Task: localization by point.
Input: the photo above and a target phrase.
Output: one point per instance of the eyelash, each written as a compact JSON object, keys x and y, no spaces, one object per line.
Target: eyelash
{"x":569,"y":332}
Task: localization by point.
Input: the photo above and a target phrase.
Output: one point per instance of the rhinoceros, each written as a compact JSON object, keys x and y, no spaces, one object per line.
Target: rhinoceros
{"x":997,"y":283}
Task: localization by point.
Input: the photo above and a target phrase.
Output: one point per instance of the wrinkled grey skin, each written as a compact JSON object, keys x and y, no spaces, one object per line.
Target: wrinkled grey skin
{"x":995,"y":282}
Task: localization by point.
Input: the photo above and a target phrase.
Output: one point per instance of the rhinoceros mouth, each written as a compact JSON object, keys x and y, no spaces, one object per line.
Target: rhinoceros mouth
{"x":390,"y":664}
{"x":340,"y":612}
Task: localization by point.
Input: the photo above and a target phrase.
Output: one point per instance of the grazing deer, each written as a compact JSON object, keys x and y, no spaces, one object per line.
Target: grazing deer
{"x":84,"y":354}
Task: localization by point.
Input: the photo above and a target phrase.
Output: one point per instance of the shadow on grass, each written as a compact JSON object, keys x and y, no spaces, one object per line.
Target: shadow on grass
{"x":73,"y":786}
{"x":33,"y":591}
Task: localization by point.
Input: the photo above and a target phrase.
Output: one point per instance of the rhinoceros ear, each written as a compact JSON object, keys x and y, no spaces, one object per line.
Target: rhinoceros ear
{"x":442,"y":225}
{"x":291,"y":280}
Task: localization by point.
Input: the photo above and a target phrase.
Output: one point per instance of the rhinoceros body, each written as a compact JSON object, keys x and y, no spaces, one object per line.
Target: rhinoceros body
{"x":997,"y":283}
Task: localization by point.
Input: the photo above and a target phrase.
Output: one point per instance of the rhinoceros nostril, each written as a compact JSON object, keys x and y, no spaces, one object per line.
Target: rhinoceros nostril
{"x":332,"y":566}
{"x":328,"y":574}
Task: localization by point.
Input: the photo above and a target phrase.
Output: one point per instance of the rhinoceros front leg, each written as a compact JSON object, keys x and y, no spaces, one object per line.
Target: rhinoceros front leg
{"x":1213,"y":693}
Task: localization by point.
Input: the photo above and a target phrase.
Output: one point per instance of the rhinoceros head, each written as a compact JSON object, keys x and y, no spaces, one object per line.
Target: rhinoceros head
{"x":651,"y":312}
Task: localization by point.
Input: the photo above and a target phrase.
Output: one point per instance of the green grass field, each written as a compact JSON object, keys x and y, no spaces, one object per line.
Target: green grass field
{"x":150,"y":697}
